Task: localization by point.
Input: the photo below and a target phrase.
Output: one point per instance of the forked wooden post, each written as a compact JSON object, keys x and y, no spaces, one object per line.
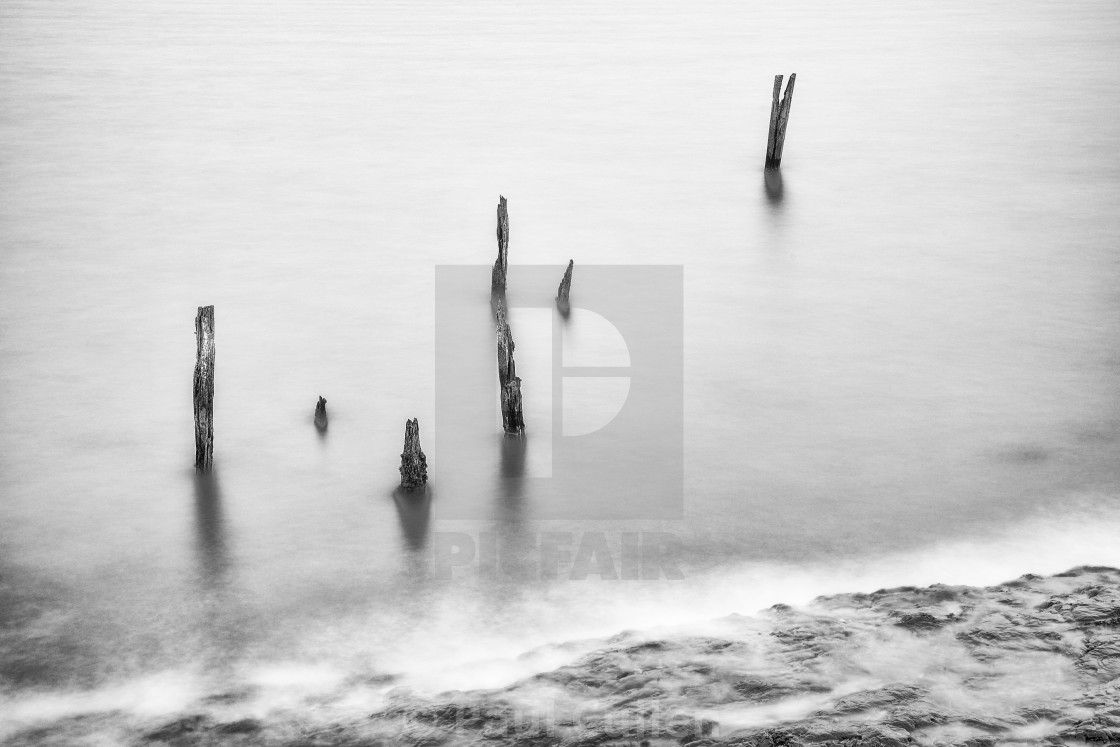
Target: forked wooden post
{"x":204,"y":390}
{"x":501,"y":264}
{"x":513,"y":419}
{"x":779,"y":118}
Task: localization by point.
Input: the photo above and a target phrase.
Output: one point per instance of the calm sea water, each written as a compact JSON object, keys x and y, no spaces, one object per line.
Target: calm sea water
{"x":904,"y":366}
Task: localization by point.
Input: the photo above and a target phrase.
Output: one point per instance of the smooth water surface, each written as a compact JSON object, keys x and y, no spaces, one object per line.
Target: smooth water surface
{"x":902,"y":356}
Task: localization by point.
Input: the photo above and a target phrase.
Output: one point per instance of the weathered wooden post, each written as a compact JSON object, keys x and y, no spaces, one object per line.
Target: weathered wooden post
{"x":779,"y":118}
{"x":501,"y":264}
{"x":321,"y":414}
{"x":204,"y":390}
{"x":513,"y":419}
{"x":414,"y":465}
{"x":564,"y":289}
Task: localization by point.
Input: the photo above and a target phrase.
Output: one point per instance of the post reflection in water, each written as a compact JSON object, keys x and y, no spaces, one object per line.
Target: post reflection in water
{"x":514,"y":552}
{"x":210,"y":532}
{"x":222,"y":634}
{"x":775,"y":190}
{"x":414,"y":510}
{"x":511,"y":480}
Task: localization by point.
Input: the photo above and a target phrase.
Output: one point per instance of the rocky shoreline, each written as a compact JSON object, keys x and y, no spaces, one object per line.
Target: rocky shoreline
{"x":1034,"y":661}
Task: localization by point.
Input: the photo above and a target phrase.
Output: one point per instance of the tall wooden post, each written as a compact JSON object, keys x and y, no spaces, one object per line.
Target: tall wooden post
{"x":513,"y":419}
{"x":204,"y":390}
{"x":501,"y":264}
{"x":779,"y":118}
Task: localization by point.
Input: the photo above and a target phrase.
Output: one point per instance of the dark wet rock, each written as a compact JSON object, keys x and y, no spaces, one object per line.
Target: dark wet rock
{"x":916,"y":716}
{"x":880,"y":698}
{"x":91,"y":729}
{"x":243,"y":726}
{"x":1008,"y":636}
{"x":1100,"y":655}
{"x":990,"y":723}
{"x":1035,"y":661}
{"x":1084,"y":570}
{"x":760,"y":691}
{"x":1100,"y":729}
{"x":978,"y":742}
{"x":470,"y":715}
{"x":1092,"y":605}
{"x":922,"y":621}
{"x":1040,"y":713}
{"x":825,"y":735}
{"x":178,"y":728}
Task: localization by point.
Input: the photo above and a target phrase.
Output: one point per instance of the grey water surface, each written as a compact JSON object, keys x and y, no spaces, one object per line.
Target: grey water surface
{"x":901,"y":359}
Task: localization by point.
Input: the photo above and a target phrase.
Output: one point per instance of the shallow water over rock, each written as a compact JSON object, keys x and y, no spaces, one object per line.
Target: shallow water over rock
{"x":1031,"y":661}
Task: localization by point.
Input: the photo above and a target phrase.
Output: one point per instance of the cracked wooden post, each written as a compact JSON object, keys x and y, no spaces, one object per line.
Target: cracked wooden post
{"x":513,"y":419}
{"x":204,"y":390}
{"x":779,"y":118}
{"x":564,"y":289}
{"x":501,"y":264}
{"x":414,"y":465}
{"x":321,"y":414}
